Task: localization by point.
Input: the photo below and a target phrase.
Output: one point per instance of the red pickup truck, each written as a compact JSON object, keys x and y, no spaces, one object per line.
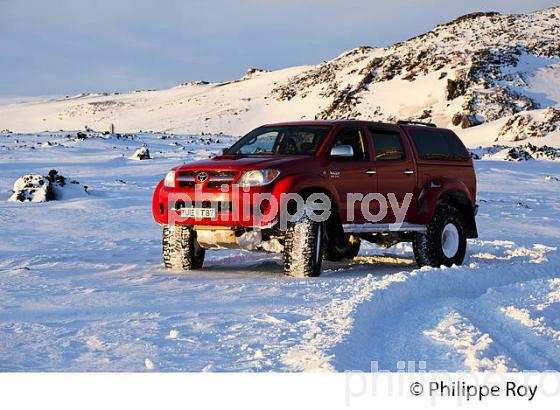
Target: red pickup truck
{"x":314,"y":190}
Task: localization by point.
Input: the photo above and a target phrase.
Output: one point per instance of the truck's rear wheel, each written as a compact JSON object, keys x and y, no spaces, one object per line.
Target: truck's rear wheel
{"x":303,"y":243}
{"x":445,"y":242}
{"x":181,"y":250}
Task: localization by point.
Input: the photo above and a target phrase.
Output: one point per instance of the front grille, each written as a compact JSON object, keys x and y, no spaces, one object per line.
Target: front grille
{"x":216,"y":185}
{"x":224,"y":173}
{"x":214,"y":179}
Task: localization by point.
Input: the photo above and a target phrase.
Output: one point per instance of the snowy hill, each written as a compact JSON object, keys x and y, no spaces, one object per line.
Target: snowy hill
{"x":479,"y":68}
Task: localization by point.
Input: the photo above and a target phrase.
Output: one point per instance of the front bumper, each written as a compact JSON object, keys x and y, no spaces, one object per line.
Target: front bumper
{"x":247,"y":209}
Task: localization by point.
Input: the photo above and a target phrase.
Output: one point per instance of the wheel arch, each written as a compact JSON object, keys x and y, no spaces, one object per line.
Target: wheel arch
{"x":451,"y":192}
{"x":333,"y":227}
{"x":306,"y":187}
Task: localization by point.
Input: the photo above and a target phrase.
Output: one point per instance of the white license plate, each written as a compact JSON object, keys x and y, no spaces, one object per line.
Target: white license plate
{"x":198,"y":213}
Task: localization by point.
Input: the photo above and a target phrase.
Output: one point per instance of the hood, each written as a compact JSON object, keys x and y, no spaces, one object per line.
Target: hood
{"x":246,"y":163}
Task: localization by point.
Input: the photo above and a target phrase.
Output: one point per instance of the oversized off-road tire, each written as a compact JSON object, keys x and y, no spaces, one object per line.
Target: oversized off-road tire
{"x":445,"y":241}
{"x":303,"y":253}
{"x":181,"y":250}
{"x":334,"y":252}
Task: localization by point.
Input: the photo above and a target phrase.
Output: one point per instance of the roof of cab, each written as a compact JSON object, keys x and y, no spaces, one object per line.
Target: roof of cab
{"x":354,"y":122}
{"x":314,"y":122}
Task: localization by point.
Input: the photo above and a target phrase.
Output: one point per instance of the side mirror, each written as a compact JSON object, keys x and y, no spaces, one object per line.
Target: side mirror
{"x":342,"y":151}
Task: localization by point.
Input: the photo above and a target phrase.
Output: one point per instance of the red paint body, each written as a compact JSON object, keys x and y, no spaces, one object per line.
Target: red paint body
{"x":429,"y":181}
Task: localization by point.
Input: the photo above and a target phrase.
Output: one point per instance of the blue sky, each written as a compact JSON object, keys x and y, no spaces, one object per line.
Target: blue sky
{"x":58,"y":47}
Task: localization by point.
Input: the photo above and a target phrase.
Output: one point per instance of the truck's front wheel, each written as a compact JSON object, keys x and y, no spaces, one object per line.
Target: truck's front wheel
{"x":303,"y":243}
{"x":445,"y":241}
{"x":181,"y":250}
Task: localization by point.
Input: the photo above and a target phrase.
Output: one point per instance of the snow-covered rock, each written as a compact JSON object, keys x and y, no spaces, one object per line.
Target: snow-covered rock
{"x":38,"y":188}
{"x":253,"y":71}
{"x":518,"y":154}
{"x":194,"y":83}
{"x":140,"y":154}
{"x":529,"y":152}
{"x":80,"y":136}
{"x":32,"y":188}
{"x":531,"y":125}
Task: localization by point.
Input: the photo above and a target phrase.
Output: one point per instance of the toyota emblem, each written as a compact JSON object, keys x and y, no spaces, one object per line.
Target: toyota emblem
{"x":202,"y":176}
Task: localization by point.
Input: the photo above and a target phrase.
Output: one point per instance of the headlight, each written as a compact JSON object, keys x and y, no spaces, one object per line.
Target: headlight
{"x":169,"y":180}
{"x":258,"y":177}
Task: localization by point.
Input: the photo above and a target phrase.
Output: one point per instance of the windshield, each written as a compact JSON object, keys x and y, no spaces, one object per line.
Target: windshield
{"x":281,"y":140}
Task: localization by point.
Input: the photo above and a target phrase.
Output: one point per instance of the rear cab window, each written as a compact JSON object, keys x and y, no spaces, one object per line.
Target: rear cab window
{"x":438,"y":145}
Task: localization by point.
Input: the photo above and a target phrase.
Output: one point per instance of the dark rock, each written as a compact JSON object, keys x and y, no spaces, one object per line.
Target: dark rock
{"x":54,"y":178}
{"x":469,"y":121}
{"x":457,"y":118}
{"x":455,"y":88}
{"x":518,"y":154}
{"x":529,"y":152}
{"x":473,"y":16}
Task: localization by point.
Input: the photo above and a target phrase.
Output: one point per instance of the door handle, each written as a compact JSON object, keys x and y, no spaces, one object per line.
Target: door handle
{"x":371,"y":172}
{"x":409,"y":172}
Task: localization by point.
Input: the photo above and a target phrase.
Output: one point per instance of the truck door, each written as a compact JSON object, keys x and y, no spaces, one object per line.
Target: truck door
{"x":352,"y":174}
{"x":395,"y":167}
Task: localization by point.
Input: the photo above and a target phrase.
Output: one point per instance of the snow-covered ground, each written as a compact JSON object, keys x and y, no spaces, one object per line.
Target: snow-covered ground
{"x":82,"y":286}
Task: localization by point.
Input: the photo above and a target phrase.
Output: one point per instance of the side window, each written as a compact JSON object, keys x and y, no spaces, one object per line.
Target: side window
{"x":438,"y":145}
{"x":388,"y":146}
{"x":356,"y":139}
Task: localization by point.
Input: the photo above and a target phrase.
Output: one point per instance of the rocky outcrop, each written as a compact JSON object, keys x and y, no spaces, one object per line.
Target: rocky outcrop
{"x":529,"y":152}
{"x":456,"y":88}
{"x":38,"y":188}
{"x":140,"y":154}
{"x":32,"y":188}
{"x":528,"y":125}
{"x":252,"y":71}
{"x":476,"y":57}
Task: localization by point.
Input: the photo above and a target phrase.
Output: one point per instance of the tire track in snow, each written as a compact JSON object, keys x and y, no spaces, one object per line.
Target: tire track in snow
{"x":332,"y":322}
{"x":525,"y":350}
{"x":469,"y":341}
{"x":347,"y":327}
